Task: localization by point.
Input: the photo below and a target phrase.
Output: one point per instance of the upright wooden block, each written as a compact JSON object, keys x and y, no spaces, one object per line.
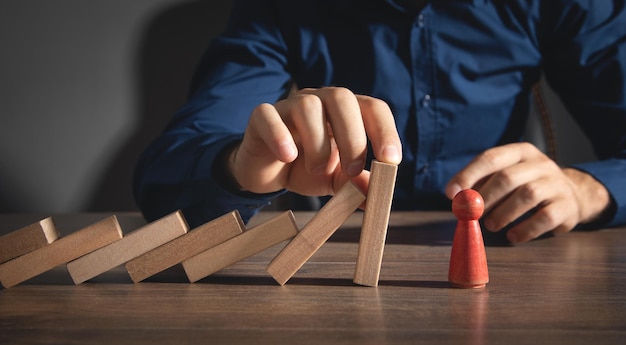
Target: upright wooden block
{"x":315,"y":233}
{"x":375,"y":223}
{"x":252,"y":241}
{"x":60,"y":251}
{"x":196,"y":241}
{"x":131,"y":246}
{"x":27,"y":239}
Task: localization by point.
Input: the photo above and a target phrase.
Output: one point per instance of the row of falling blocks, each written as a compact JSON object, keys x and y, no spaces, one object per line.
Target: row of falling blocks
{"x":157,"y":246}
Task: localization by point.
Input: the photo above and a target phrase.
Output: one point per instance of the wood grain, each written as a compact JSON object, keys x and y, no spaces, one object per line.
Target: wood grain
{"x":252,"y":241}
{"x":60,"y":251}
{"x":315,"y":233}
{"x":27,"y":239}
{"x":178,"y":250}
{"x":563,"y":290}
{"x":375,"y":222}
{"x":131,"y":246}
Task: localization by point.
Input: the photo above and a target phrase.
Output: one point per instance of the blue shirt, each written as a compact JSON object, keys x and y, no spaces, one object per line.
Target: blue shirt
{"x":456,"y":74}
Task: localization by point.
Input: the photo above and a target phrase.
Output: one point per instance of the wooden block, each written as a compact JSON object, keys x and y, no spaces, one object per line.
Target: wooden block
{"x":375,"y":223}
{"x":27,"y":239}
{"x":315,"y":233}
{"x":131,"y":246}
{"x":253,"y":241}
{"x":195,"y":242}
{"x":60,"y":251}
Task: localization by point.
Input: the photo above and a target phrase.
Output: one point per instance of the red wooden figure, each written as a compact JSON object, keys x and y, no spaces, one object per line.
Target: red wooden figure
{"x":468,"y":261}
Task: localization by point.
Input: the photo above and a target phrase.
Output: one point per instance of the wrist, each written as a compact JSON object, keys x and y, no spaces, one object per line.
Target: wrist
{"x":223,"y":168}
{"x":592,"y":196}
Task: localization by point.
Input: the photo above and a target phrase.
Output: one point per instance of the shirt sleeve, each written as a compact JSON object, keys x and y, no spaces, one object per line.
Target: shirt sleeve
{"x":244,"y":67}
{"x":585,"y":62}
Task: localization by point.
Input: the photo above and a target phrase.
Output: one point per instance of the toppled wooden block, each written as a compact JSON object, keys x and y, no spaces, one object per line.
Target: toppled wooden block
{"x":27,"y":239}
{"x":252,"y":241}
{"x":375,"y":223}
{"x":176,"y":251}
{"x":131,"y":246}
{"x":60,"y":251}
{"x":315,"y":233}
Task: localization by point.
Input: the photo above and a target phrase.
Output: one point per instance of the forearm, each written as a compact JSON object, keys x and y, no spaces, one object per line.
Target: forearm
{"x":174,"y":175}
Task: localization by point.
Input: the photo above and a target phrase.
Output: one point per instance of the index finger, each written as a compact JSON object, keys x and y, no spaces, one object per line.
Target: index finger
{"x":487,"y":163}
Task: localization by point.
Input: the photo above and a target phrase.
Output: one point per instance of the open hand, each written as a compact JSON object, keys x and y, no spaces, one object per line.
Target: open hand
{"x":516,"y":178}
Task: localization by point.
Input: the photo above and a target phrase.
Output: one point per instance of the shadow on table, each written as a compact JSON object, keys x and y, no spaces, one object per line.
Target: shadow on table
{"x":316,"y":281}
{"x":437,"y":233}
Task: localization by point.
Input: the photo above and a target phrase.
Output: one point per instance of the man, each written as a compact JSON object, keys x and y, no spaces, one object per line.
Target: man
{"x":300,"y":95}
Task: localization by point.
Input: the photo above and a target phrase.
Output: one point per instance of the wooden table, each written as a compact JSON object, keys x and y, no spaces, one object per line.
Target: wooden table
{"x":567,"y":289}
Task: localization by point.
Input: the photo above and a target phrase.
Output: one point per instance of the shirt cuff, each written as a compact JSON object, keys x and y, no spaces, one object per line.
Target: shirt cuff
{"x":217,"y":197}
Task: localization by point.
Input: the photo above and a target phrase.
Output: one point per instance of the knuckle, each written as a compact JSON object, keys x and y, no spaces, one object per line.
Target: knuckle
{"x":260,"y":114}
{"x":550,"y":165}
{"x":374,"y":105}
{"x":489,"y":157}
{"x":529,"y":193}
{"x":339,"y":93}
{"x":528,"y":146}
{"x":550,"y":220}
{"x":563,"y":228}
{"x":505,"y":178}
{"x":536,"y":154}
{"x":307,"y":103}
{"x":261,"y":109}
{"x":530,"y":150}
{"x":339,"y":96}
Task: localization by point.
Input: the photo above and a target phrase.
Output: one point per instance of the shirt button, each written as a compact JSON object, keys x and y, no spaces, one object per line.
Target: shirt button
{"x":426,"y":101}
{"x":420,"y":21}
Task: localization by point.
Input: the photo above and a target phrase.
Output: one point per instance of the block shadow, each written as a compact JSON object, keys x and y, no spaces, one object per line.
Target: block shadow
{"x":315,"y":281}
{"x":437,"y":233}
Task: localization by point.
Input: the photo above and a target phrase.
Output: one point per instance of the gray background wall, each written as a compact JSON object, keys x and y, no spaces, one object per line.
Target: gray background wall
{"x":85,"y":85}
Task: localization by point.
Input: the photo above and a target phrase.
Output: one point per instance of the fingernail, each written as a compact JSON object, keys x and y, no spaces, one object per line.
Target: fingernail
{"x":391,"y":154}
{"x":452,"y":190}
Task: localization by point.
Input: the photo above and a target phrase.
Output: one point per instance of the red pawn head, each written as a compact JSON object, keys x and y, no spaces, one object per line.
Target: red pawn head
{"x":468,"y":205}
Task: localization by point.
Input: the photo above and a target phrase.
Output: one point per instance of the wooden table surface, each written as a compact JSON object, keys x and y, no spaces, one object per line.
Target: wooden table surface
{"x":567,"y":289}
